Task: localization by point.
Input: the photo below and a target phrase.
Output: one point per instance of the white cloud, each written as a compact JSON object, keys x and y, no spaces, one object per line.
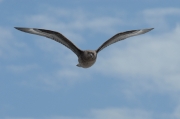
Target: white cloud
{"x":162,"y":12}
{"x":73,"y":20}
{"x":112,"y":113}
{"x":159,"y":17}
{"x":5,"y":35}
{"x":21,"y":68}
{"x":148,"y":62}
{"x":121,"y":114}
{"x":116,"y":113}
{"x":176,"y":113}
{"x":76,"y":21}
{"x":147,"y":58}
{"x":64,"y":77}
{"x":9,"y":46}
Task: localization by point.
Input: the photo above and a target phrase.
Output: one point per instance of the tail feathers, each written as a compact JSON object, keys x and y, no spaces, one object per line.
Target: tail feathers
{"x":78,"y":65}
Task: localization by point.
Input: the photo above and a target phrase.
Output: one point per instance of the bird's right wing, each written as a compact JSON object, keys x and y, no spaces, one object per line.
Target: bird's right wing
{"x":53,"y":35}
{"x":122,"y":36}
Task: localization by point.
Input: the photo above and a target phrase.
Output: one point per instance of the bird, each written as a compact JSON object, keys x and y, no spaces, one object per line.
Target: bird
{"x":86,"y":58}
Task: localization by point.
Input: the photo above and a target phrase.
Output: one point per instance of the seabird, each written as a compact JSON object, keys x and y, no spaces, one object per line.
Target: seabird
{"x":86,"y":58}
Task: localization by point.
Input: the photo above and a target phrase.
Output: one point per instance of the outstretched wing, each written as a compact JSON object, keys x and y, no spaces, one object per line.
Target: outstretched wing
{"x":52,"y":35}
{"x":122,"y":36}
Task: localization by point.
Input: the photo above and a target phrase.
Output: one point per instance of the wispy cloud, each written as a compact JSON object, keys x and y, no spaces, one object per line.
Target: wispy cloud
{"x":162,"y":12}
{"x":150,"y":62}
{"x":71,"y":23}
{"x":120,"y":113}
{"x":9,"y":46}
{"x":149,"y":57}
{"x":5,"y":35}
{"x":109,"y":113}
{"x":116,"y":113}
{"x":73,"y":20}
{"x":176,"y":113}
{"x":159,"y":17}
{"x":21,"y":68}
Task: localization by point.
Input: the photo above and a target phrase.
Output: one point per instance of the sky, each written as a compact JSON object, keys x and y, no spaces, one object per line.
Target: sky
{"x":137,"y":78}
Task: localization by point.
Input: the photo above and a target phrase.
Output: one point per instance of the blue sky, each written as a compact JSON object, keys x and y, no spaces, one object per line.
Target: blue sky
{"x":138,"y":78}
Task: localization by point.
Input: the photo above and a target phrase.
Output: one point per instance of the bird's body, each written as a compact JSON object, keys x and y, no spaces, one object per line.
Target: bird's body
{"x":86,"y":58}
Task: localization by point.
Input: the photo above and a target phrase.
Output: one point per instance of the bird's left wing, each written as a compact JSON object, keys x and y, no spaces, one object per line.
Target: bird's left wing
{"x":122,"y":36}
{"x":53,"y":35}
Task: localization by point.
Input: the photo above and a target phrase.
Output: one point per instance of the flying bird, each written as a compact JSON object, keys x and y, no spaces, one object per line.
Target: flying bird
{"x":86,"y":58}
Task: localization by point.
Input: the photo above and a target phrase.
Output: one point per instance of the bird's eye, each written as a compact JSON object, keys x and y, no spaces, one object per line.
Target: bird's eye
{"x":91,"y":54}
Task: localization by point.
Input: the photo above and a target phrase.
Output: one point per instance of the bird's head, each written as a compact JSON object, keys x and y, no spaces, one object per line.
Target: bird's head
{"x":90,"y":54}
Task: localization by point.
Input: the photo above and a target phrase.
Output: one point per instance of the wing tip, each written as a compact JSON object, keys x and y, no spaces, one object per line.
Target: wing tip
{"x":146,"y":30}
{"x":22,"y":29}
{"x":149,"y":29}
{"x":17,"y":28}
